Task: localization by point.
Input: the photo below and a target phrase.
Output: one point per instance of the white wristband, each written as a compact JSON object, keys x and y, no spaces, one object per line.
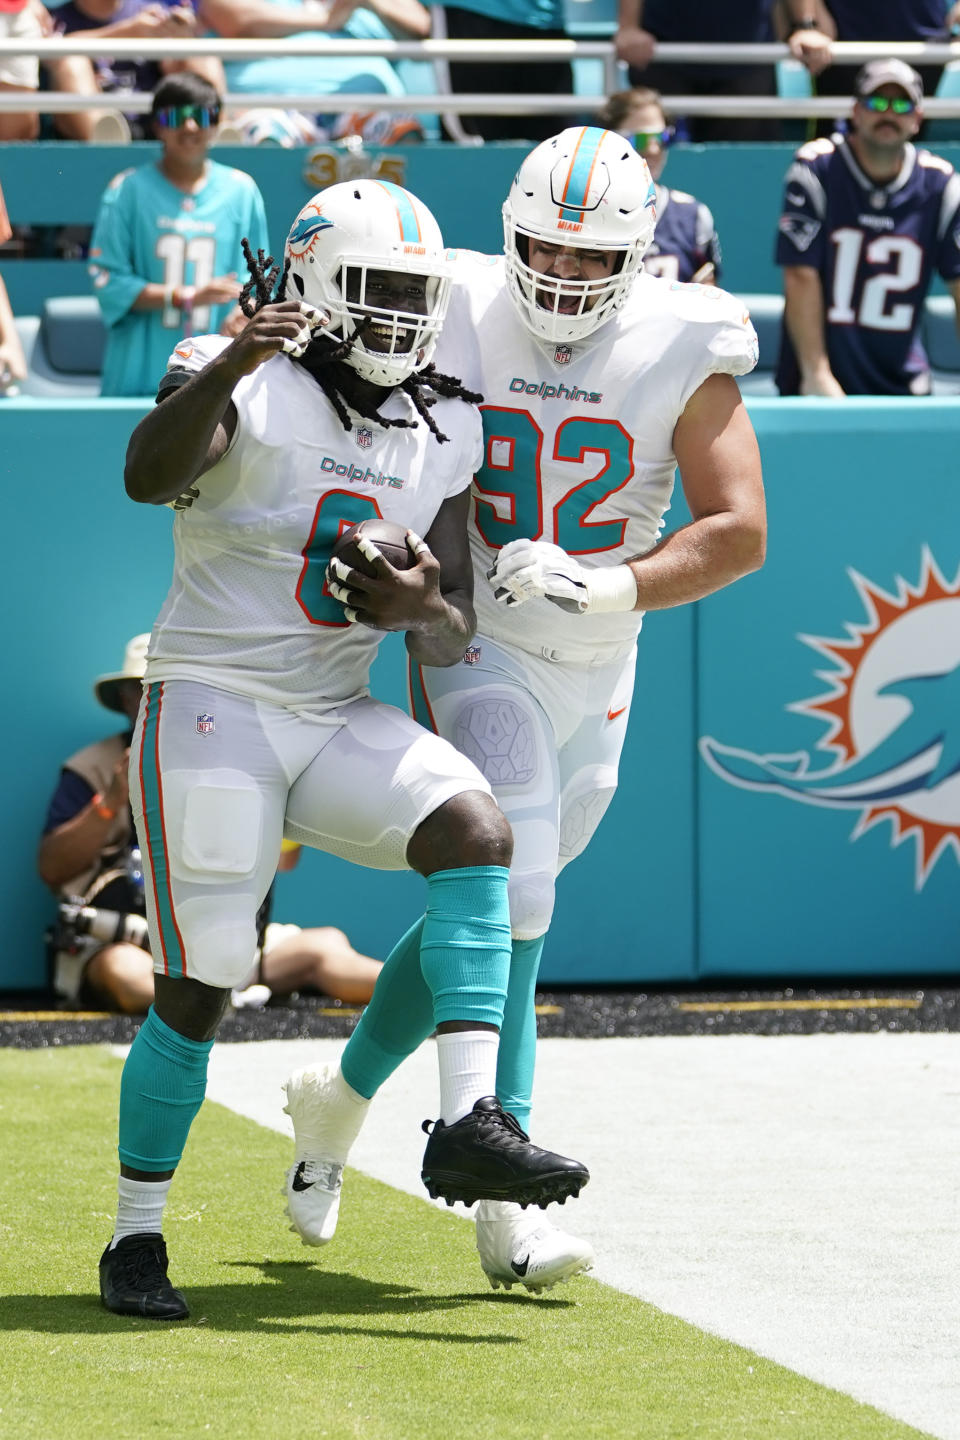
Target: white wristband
{"x":612,"y":588}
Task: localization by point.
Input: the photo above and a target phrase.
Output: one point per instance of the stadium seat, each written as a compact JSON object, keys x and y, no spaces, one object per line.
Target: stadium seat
{"x":63,"y":347}
{"x":942,"y":343}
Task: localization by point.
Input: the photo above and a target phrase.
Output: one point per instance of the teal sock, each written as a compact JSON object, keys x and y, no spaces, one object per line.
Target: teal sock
{"x":395,"y":1023}
{"x":161,"y":1090}
{"x":518,"y":1035}
{"x":465,"y":951}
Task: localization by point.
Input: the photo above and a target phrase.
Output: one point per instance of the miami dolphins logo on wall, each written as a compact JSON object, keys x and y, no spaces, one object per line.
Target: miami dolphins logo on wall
{"x":893,"y":721}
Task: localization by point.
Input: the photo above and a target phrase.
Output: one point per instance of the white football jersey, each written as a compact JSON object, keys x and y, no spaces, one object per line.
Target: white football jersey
{"x":578,"y":438}
{"x":247,"y":608}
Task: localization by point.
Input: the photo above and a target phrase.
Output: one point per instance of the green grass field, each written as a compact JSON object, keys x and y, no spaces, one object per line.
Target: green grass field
{"x":388,"y":1333}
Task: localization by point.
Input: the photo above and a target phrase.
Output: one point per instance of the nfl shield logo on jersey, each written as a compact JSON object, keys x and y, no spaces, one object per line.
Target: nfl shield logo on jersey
{"x":471,"y":655}
{"x":562,"y":355}
{"x":206,"y":724}
{"x":364,"y":437}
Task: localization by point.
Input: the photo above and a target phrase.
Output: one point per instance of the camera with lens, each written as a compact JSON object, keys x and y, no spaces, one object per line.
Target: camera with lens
{"x":111,"y":926}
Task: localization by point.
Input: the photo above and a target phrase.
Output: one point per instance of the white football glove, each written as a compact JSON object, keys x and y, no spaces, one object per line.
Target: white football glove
{"x":526,"y":569}
{"x":313,"y":319}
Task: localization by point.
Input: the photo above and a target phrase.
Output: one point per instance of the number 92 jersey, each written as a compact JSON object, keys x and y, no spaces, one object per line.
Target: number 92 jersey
{"x":578,"y":438}
{"x":248,"y":608}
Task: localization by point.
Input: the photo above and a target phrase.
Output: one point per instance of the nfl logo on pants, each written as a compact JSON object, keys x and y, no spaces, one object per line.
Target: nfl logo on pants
{"x":205,"y":724}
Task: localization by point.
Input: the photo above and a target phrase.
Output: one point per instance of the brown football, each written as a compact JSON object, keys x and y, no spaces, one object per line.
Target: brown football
{"x":390,"y":540}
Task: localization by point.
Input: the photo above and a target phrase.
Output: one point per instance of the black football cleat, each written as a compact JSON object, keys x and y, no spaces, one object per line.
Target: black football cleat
{"x":487,"y":1156}
{"x":133,"y":1280}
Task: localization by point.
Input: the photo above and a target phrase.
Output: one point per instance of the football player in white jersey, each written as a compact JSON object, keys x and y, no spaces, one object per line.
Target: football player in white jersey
{"x":599,"y":381}
{"x":257,"y":722}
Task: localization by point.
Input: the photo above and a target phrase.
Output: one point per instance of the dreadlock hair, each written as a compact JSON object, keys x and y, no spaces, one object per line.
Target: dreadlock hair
{"x":323,"y":351}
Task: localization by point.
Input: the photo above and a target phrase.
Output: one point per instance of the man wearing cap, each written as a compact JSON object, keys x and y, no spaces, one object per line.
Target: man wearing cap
{"x":88,"y":851}
{"x":867,"y":218}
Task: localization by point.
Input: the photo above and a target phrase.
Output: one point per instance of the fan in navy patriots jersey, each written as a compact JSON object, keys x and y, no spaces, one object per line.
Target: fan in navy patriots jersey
{"x":685,"y":244}
{"x":867,"y":219}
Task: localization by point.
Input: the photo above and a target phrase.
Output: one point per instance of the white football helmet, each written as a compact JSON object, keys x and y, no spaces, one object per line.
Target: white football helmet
{"x":585,"y":187}
{"x":340,"y":236}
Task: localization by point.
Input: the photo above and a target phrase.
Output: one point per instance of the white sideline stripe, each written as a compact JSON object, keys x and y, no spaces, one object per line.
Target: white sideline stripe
{"x":796,"y":1194}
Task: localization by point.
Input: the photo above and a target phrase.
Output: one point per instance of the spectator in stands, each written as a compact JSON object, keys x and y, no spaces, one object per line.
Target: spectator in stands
{"x":866,"y":219}
{"x":685,"y":245}
{"x":13,"y":365}
{"x":88,"y":852}
{"x":19,"y":20}
{"x":643,"y":24}
{"x":817,"y":23}
{"x":314,"y":74}
{"x":109,"y":20}
{"x":166,"y":247}
{"x":29,"y":19}
{"x":486,"y":20}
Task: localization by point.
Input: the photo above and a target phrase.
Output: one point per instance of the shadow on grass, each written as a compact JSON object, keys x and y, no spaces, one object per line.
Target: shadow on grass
{"x":297,"y":1292}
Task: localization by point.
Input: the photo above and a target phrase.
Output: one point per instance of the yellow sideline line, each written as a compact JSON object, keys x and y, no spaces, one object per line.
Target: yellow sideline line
{"x":875,"y":1003}
{"x":19,"y":1015}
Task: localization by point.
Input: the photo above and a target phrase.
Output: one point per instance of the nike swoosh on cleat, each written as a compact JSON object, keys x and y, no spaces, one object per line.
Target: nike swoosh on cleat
{"x":298,"y":1183}
{"x":612,"y":714}
{"x":519,"y":1267}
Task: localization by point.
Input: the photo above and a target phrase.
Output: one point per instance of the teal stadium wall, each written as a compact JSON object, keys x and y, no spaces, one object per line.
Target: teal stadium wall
{"x":60,"y":184}
{"x":735,"y":865}
{"x":697,"y":871}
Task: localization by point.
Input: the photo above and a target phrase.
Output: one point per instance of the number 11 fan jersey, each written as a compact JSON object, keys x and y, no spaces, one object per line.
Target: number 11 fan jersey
{"x":149,"y":231}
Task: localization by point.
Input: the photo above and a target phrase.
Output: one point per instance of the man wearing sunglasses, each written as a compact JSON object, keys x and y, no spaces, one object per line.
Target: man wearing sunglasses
{"x":867,"y":217}
{"x":685,"y":245}
{"x":166,"y":248}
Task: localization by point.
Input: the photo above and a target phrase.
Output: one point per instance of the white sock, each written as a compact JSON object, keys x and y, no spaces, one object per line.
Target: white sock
{"x":468,"y":1070}
{"x":140,"y":1207}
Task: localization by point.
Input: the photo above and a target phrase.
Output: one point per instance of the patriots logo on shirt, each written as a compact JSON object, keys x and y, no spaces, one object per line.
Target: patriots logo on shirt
{"x":562,"y":355}
{"x":799,"y":230}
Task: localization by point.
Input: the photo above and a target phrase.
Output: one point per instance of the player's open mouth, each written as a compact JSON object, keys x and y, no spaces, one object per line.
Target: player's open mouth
{"x":379,"y":336}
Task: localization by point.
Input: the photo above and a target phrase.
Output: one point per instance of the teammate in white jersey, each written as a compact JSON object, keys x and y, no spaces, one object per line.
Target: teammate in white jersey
{"x":257,"y":722}
{"x":599,"y":381}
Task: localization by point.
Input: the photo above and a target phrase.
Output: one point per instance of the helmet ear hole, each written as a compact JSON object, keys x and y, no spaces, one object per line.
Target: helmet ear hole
{"x":297,"y":281}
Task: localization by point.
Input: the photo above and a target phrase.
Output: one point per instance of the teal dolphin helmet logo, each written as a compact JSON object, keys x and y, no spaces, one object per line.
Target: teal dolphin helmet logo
{"x":305,"y":230}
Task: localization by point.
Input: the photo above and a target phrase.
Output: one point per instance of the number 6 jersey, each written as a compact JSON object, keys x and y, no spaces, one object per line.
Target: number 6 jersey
{"x":248,"y":607}
{"x":578,"y":438}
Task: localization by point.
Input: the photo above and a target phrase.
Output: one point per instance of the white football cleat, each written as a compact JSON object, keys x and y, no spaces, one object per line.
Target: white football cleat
{"x":327,"y":1116}
{"x":518,"y":1248}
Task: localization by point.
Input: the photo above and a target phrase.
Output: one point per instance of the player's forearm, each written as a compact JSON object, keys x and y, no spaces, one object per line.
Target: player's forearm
{"x":443,"y":640}
{"x":803,"y":315}
{"x":174,"y":444}
{"x":73,"y":847}
{"x":697,"y":560}
{"x":234,"y":19}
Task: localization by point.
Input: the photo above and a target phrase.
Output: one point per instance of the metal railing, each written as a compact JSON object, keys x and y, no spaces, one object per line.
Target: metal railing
{"x":501,"y":52}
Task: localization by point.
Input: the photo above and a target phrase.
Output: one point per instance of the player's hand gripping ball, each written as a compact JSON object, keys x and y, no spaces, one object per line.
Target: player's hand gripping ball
{"x":353,"y":547}
{"x":357,"y":549}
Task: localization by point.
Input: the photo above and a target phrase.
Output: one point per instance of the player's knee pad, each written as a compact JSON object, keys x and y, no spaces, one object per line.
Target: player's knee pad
{"x":532,"y":895}
{"x":581,"y":816}
{"x":220,"y":938}
{"x":500,"y":739}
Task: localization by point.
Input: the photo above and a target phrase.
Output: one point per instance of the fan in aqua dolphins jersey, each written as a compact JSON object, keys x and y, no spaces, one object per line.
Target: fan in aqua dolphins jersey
{"x":166,"y":251}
